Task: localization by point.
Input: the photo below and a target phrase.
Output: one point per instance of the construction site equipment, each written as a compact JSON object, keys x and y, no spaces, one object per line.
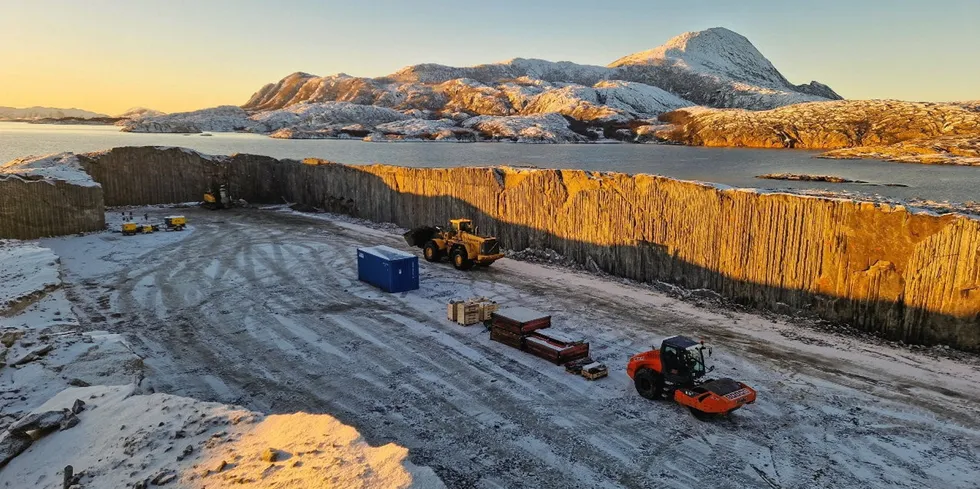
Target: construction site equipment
{"x":471,"y":311}
{"x":389,"y":269}
{"x":676,"y":371}
{"x":129,"y":228}
{"x":460,"y":242}
{"x":175,"y":223}
{"x":217,"y":198}
{"x":588,"y":368}
{"x":148,"y":228}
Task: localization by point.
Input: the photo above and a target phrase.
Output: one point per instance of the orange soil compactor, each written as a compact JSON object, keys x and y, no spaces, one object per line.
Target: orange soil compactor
{"x":677,"y":371}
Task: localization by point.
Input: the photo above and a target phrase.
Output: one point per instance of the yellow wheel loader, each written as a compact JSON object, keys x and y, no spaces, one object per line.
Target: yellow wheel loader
{"x":216,"y":199}
{"x":460,"y":242}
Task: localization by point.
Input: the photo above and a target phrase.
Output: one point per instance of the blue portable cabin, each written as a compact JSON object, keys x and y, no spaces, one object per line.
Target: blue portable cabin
{"x":389,"y":269}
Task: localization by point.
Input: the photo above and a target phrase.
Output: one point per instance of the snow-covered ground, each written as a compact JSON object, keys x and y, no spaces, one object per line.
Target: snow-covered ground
{"x":44,"y":349}
{"x":26,"y":271}
{"x":262,"y":308}
{"x":125,"y":438}
{"x":125,"y":435}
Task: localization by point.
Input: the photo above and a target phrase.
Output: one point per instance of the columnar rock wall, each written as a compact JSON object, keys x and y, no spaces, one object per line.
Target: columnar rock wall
{"x":909,"y":276}
{"x":31,"y":209}
{"x":152,"y":175}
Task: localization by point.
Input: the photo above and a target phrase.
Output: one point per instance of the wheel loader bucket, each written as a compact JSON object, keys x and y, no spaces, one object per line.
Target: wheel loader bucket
{"x":420,"y":236}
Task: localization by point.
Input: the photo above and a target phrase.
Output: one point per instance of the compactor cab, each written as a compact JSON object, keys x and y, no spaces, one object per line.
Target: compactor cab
{"x":677,"y":370}
{"x":460,"y":242}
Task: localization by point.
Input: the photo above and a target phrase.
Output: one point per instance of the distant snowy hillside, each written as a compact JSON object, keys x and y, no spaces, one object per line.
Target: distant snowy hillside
{"x":549,"y":101}
{"x":30,"y":113}
{"x":306,"y":116}
{"x":139,"y":113}
{"x":226,"y":118}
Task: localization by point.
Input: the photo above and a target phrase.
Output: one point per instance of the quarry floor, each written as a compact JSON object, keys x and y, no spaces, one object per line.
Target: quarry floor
{"x":262,"y":308}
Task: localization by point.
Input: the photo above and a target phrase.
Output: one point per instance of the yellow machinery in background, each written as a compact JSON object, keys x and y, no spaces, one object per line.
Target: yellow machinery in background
{"x":461,"y":242}
{"x":175,"y":223}
{"x":216,"y":199}
{"x":131,"y":228}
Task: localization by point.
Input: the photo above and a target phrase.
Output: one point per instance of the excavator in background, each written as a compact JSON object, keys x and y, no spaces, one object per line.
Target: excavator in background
{"x":460,"y":242}
{"x":676,"y":371}
{"x":219,"y":199}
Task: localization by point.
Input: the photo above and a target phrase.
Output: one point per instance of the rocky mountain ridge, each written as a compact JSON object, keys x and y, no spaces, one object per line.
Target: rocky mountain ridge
{"x":716,"y":67}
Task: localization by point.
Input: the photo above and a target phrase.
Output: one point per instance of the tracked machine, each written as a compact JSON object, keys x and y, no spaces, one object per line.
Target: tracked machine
{"x":677,"y":371}
{"x":460,"y":242}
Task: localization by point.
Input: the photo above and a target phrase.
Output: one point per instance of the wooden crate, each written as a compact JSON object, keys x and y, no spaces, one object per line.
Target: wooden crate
{"x":471,"y":311}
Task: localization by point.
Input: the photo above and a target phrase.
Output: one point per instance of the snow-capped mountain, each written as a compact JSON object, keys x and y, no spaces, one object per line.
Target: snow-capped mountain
{"x":30,"y":113}
{"x":717,"y":68}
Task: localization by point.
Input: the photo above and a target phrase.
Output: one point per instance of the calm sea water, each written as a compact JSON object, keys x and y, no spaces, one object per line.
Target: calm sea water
{"x":735,"y":167}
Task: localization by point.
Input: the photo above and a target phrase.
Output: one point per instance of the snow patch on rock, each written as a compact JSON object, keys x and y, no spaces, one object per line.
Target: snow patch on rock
{"x":64,"y":167}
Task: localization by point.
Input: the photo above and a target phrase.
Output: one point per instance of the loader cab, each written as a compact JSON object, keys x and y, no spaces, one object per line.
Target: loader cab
{"x":462,"y":225}
{"x":683,"y":360}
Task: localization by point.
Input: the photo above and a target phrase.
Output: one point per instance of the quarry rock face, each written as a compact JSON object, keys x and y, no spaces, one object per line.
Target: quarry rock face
{"x":904,"y":275}
{"x":36,"y":208}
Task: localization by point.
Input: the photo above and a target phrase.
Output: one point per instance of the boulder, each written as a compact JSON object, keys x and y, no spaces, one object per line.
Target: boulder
{"x":37,"y":422}
{"x":11,"y":445}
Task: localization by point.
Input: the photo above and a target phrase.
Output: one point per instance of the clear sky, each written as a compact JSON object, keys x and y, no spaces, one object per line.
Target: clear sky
{"x":173,"y":55}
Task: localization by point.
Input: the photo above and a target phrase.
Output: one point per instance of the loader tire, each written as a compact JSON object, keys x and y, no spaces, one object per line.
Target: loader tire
{"x":648,"y":384}
{"x":431,"y":252}
{"x":460,"y":259}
